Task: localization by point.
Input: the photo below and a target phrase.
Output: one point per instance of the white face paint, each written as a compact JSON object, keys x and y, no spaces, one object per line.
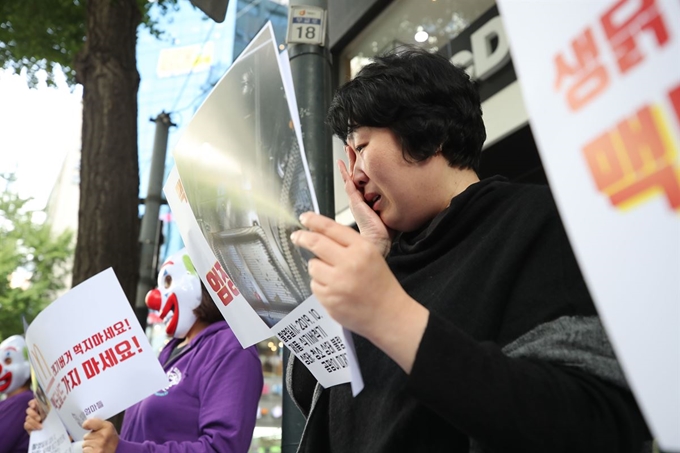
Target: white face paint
{"x":14,"y":366}
{"x":177,"y":295}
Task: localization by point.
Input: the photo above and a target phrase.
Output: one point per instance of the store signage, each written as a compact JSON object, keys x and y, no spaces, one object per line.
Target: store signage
{"x":482,"y":50}
{"x":490,"y":51}
{"x":176,"y":61}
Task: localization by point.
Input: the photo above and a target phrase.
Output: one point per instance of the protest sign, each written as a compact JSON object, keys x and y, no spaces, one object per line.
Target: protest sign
{"x":52,"y":438}
{"x":601,"y":82}
{"x":240,"y":182}
{"x":90,"y":356}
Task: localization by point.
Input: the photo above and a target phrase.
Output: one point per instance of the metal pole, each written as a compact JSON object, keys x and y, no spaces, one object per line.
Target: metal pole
{"x":148,"y":234}
{"x":311,"y":71}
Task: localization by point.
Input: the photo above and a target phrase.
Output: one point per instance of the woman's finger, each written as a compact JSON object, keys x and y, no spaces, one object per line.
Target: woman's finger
{"x":341,"y":234}
{"x":321,"y":246}
{"x":320,"y":272}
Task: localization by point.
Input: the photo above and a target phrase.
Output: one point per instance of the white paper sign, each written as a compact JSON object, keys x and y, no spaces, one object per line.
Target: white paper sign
{"x":320,"y":343}
{"x":52,"y":438}
{"x":90,"y":355}
{"x":601,"y":82}
{"x":240,"y":182}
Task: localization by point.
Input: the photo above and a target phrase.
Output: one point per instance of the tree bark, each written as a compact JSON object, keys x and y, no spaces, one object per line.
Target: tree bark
{"x":108,"y":219}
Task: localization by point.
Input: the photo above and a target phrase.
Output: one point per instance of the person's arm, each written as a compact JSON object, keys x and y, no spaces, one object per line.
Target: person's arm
{"x":555,"y":386}
{"x":510,"y":404}
{"x":10,"y":426}
{"x":352,"y":281}
{"x":507,"y":403}
{"x":228,"y":407}
{"x":10,"y":439}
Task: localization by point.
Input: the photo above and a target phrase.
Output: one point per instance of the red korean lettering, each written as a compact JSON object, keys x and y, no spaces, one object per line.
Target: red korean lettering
{"x":213,"y":280}
{"x":120,"y":327}
{"x":604,"y":163}
{"x":674,"y":96}
{"x":109,"y":333}
{"x":624,"y":22}
{"x":58,"y":398}
{"x":91,"y":368}
{"x":642,"y":142}
{"x":124,"y":350}
{"x":71,"y":380}
{"x":220,"y":282}
{"x":78,"y":349}
{"x":68,"y":357}
{"x":665,"y":179}
{"x":87,"y":343}
{"x":225,"y":296}
{"x":587,"y":76}
{"x":220,"y":271}
{"x":62,"y":361}
{"x":134,"y":340}
{"x":632,"y":159}
{"x":97,"y":339}
{"x":108,"y":359}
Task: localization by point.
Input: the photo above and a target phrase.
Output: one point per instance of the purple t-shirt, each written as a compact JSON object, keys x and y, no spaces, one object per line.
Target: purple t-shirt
{"x":209,"y":405}
{"x":13,"y":437}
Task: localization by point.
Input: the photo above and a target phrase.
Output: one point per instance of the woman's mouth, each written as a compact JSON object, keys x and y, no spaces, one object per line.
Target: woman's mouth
{"x":372,"y":200}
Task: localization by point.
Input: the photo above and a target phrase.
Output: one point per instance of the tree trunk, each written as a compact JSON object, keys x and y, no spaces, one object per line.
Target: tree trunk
{"x":108,"y":219}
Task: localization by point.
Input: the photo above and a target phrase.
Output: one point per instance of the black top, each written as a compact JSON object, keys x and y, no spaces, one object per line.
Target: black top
{"x":491,"y":268}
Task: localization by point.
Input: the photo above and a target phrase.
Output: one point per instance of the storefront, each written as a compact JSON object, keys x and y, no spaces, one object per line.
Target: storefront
{"x":468,"y":32}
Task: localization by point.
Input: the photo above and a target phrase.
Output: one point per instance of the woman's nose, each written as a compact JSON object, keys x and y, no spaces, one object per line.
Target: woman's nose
{"x":359,"y":177}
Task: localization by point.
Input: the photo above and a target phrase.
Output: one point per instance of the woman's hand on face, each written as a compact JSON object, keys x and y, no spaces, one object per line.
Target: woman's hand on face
{"x":370,"y":225}
{"x":349,"y":275}
{"x":33,"y":420}
{"x":102,"y":437}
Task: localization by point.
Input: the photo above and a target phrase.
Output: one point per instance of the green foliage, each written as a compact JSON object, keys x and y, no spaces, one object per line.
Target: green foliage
{"x":27,"y":245}
{"x":40,"y":35}
{"x":37,"y":35}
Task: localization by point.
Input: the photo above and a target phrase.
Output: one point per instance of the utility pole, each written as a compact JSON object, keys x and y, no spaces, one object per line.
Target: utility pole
{"x":311,"y":69}
{"x":310,"y":63}
{"x":148,"y":233}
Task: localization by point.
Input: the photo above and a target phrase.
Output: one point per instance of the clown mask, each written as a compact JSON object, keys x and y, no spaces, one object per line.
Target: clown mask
{"x":14,"y":367}
{"x":177,"y":295}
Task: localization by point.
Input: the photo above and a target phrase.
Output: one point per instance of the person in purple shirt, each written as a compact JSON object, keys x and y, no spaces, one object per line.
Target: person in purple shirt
{"x":214,"y":385}
{"x":15,"y":380}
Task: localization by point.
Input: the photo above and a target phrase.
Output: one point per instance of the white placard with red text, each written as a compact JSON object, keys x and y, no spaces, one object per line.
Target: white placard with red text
{"x":90,"y":355}
{"x":601,"y":82}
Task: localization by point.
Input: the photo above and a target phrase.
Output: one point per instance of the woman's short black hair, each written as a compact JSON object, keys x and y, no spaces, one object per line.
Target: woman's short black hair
{"x":427,"y":102}
{"x":207,"y":311}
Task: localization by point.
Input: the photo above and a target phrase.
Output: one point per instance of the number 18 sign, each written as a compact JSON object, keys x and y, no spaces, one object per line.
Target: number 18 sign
{"x":306,"y":25}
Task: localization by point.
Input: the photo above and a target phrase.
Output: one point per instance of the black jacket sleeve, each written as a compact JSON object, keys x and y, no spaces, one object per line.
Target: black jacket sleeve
{"x":509,"y":404}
